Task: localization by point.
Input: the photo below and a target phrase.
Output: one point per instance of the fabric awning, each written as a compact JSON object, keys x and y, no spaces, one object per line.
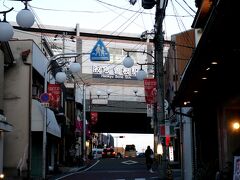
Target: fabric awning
{"x":37,"y":119}
{"x":4,"y":125}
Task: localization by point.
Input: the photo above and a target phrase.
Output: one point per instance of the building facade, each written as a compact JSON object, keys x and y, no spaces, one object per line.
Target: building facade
{"x":208,"y":95}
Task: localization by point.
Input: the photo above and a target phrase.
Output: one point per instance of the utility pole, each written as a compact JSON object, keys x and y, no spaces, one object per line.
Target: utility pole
{"x":159,"y":68}
{"x":84,"y":122}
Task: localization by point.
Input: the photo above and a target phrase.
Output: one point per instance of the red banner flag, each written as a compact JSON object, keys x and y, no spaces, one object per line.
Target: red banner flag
{"x":94,"y":117}
{"x":162,"y":130}
{"x":150,"y":88}
{"x":54,"y":92}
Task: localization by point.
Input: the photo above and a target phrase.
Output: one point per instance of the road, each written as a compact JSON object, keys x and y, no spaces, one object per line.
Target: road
{"x":114,"y":169}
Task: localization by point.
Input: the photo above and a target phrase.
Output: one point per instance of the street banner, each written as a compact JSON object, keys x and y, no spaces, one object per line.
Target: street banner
{"x":162,"y":130}
{"x":94,"y":117}
{"x":150,"y":88}
{"x":149,"y":110}
{"x":54,"y":92}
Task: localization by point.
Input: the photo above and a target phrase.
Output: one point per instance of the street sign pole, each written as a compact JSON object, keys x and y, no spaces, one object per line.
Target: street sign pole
{"x":84,"y":121}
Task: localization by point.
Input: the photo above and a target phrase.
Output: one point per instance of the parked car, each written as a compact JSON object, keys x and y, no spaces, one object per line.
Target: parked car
{"x":108,"y":153}
{"x":130,"y":151}
{"x":141,"y":155}
{"x":97,"y":153}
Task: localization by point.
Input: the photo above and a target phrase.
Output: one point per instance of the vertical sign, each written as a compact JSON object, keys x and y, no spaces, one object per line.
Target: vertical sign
{"x":171,"y":155}
{"x":236,"y":171}
{"x":94,"y":117}
{"x":150,"y":88}
{"x":54,"y":92}
{"x":149,"y":110}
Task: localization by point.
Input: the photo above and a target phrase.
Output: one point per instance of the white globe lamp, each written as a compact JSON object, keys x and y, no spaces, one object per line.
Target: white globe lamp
{"x":25,"y":18}
{"x":109,"y":91}
{"x":61,"y":77}
{"x":141,"y":74}
{"x":6,"y":31}
{"x":128,"y":62}
{"x":98,"y":93}
{"x":74,"y":67}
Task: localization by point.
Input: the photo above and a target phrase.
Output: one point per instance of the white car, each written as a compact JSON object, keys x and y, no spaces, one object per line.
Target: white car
{"x":97,"y":153}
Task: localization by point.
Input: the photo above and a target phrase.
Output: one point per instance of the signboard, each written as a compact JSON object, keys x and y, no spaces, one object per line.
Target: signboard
{"x":54,"y":91}
{"x":100,"y":101}
{"x":111,"y":71}
{"x":171,"y":153}
{"x":150,"y":88}
{"x":94,"y":117}
{"x":168,"y":140}
{"x":44,"y":98}
{"x":99,"y":52}
{"x":236,"y":170}
{"x":149,"y":110}
{"x":162,"y":130}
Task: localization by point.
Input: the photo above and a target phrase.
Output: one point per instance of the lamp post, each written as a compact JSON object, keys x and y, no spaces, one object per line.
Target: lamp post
{"x":141,"y":74}
{"x":60,"y":78}
{"x":159,"y":114}
{"x":84,"y":121}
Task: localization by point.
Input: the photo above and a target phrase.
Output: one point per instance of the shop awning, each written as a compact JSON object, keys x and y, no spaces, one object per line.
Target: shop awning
{"x":203,"y":81}
{"x":4,"y":125}
{"x":37,"y":119}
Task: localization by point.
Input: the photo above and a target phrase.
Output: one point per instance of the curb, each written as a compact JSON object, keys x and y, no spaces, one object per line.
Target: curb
{"x":72,"y":171}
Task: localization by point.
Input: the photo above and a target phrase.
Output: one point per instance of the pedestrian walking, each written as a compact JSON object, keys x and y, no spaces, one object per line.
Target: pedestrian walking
{"x":149,"y":158}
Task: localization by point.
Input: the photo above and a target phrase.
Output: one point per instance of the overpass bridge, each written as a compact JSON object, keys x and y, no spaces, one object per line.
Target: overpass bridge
{"x":124,"y":110}
{"x":131,"y":118}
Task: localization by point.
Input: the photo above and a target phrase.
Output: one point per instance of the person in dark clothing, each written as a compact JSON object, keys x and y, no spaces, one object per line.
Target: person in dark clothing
{"x":149,"y":158}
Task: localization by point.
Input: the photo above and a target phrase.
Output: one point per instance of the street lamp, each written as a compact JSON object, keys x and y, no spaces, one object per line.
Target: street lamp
{"x":109,"y":92}
{"x":141,"y":74}
{"x":60,"y":78}
{"x":158,"y":61}
{"x":128,"y":63}
{"x":5,"y":28}
{"x":98,"y":93}
{"x":24,"y":18}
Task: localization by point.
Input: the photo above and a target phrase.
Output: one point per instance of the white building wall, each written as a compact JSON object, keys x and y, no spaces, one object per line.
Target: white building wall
{"x":17,"y":105}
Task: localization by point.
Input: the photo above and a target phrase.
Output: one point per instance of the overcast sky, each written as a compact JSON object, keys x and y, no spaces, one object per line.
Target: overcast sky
{"x":141,"y":141}
{"x":115,"y":16}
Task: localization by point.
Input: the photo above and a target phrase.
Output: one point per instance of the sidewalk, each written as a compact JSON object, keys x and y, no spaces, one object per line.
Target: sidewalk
{"x":167,"y":173}
{"x":63,"y":171}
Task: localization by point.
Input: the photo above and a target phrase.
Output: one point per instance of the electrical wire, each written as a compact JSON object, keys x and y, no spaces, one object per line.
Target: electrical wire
{"x":121,"y":7}
{"x":184,"y":8}
{"x":70,"y":11}
{"x":189,"y":7}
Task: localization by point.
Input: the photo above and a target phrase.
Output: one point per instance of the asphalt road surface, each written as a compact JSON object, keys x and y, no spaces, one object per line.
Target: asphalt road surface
{"x":114,"y":169}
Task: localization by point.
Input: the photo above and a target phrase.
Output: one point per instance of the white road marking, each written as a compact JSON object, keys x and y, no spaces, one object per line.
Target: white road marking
{"x":129,"y":162}
{"x":134,"y":179}
{"x":77,"y":172}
